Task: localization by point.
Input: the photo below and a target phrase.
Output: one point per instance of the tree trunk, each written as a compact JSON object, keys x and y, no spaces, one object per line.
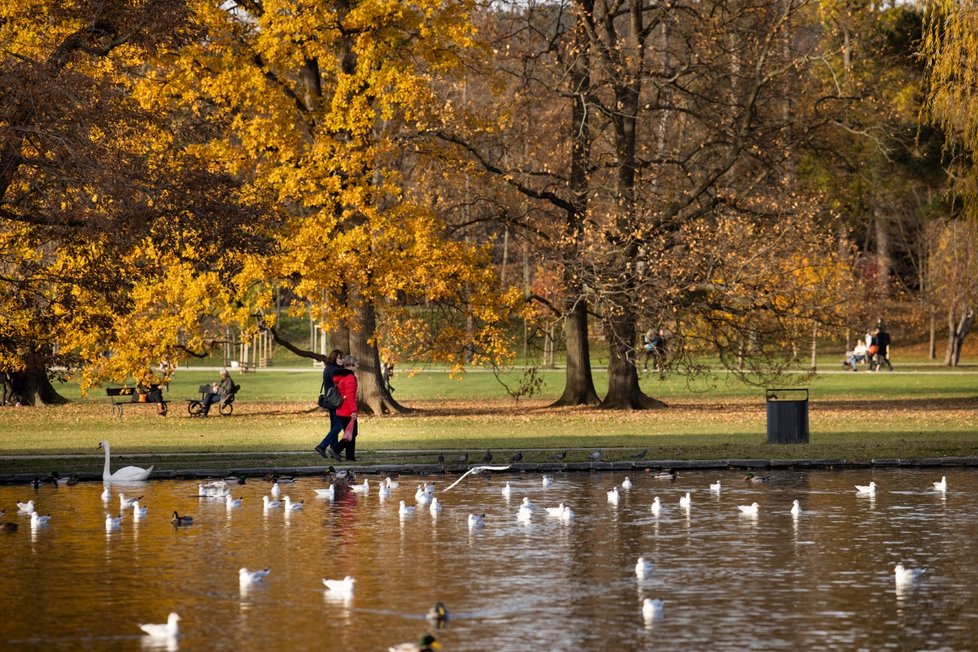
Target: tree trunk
{"x":32,"y":384}
{"x":623,"y":389}
{"x":578,"y":382}
{"x":956,"y":334}
{"x":373,"y":396}
{"x":883,"y":261}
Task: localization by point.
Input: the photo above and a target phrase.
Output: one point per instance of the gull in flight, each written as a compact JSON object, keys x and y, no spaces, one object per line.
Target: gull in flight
{"x":477,"y":469}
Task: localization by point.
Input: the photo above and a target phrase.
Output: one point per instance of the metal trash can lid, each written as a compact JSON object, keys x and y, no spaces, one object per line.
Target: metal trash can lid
{"x":785,"y":394}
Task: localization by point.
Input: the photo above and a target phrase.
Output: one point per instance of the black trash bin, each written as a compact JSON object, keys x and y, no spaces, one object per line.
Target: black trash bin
{"x":787,"y":416}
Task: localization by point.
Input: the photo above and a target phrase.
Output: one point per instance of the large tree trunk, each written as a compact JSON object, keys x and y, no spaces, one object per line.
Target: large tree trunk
{"x":578,"y":381}
{"x":623,"y":388}
{"x":373,"y":396}
{"x":32,"y":384}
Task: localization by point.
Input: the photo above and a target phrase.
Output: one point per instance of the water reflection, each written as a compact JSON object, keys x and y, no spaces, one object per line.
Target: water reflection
{"x":819,"y":580}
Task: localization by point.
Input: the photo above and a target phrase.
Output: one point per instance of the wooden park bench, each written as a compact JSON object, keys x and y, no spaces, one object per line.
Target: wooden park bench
{"x":122,"y":396}
{"x":195,"y":406}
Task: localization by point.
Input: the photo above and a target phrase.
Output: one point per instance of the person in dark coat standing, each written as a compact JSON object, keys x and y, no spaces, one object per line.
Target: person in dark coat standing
{"x":346,"y":413}
{"x":334,"y":367}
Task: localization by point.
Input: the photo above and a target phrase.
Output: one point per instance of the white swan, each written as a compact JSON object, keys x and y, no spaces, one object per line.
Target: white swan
{"x":942,"y":485}
{"x":169,"y":630}
{"x":643,"y":568}
{"x":126,"y":473}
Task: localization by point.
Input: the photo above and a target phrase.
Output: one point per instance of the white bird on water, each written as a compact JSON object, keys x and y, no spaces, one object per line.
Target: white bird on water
{"x":232,"y":503}
{"x":170,"y":629}
{"x":567,"y":515}
{"x":329,"y":493}
{"x":391,"y":484}
{"x":548,"y":480}
{"x":125,"y":474}
{"x":507,"y":491}
{"x":749,"y":510}
{"x":126,"y":503}
{"x":37,"y":520}
{"x":405,"y":509}
{"x":25,"y":508}
{"x":643,"y":568}
{"x":340,"y":588}
{"x":361,"y":488}
{"x":106,"y":494}
{"x":686,"y":501}
{"x":268,"y":503}
{"x":656,"y":506}
{"x":293,"y":507}
{"x":557,"y":511}
{"x":247,"y":577}
{"x":795,"y":508}
{"x":715,"y":487}
{"x":276,"y":489}
{"x":112,"y":522}
{"x":383,"y":491}
{"x":905,"y":576}
{"x":476,"y":520}
{"x":942,"y":485}
{"x":627,"y":484}
{"x":524,"y":513}
{"x":866,"y":489}
{"x":435,"y":506}
{"x":138,"y":511}
{"x":526,"y":503}
{"x":651,"y":608}
{"x":613,"y":496}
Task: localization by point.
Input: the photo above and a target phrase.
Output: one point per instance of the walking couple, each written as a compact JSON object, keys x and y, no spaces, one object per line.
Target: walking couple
{"x":340,"y":371}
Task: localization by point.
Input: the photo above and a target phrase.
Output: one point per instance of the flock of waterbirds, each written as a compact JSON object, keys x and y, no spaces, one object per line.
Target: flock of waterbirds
{"x":424,"y":498}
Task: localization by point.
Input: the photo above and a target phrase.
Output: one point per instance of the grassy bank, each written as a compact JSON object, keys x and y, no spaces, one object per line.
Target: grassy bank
{"x":928,"y":412}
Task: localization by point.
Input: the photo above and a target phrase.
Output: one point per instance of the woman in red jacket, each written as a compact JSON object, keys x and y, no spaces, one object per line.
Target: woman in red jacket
{"x":346,"y":413}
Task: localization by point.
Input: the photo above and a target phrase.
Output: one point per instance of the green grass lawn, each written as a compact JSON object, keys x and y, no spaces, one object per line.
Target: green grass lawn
{"x":923,"y":413}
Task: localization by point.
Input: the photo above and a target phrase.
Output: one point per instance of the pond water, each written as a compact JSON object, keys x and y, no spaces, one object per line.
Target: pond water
{"x":822,"y":581}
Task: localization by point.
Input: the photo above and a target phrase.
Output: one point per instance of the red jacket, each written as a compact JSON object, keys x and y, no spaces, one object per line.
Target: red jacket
{"x":347,"y":386}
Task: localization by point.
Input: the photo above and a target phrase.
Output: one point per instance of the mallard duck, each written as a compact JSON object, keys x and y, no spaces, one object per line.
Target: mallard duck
{"x":9,"y":527}
{"x":437,"y":614}
{"x":749,"y":510}
{"x":668,"y":474}
{"x":170,"y":629}
{"x":425,"y":644}
{"x":179,"y":521}
{"x":750,"y":477}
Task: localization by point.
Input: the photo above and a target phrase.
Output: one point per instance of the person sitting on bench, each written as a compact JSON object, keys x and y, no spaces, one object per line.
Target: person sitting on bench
{"x":220,"y":391}
{"x":148,"y":391}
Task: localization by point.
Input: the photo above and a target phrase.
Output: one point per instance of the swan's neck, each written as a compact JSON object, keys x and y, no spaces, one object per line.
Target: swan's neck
{"x":106,"y":472}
